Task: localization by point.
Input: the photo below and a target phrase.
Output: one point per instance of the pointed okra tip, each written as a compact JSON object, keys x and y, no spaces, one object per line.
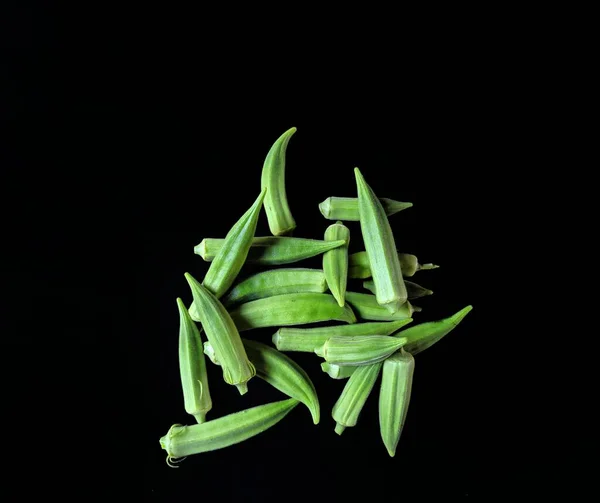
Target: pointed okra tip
{"x":325,"y":207}
{"x":339,"y":428}
{"x":458,"y":317}
{"x":200,"y":249}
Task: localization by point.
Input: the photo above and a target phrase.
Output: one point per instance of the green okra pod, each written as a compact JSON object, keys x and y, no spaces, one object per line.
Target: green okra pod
{"x":231,"y":257}
{"x":335,"y":262}
{"x":192,"y":367}
{"x":359,"y":349}
{"x":307,"y":339}
{"x":279,"y":371}
{"x":413,"y":290}
{"x":181,"y":441}
{"x":422,"y":336}
{"x":394,"y":397}
{"x":272,"y":250}
{"x":276,"y":282}
{"x":337,"y":372}
{"x":273,"y":178}
{"x":349,"y":405}
{"x":223,"y":335}
{"x":359,"y":268}
{"x":367,"y":308}
{"x":380,"y":247}
{"x":346,"y":208}
{"x":290,"y":309}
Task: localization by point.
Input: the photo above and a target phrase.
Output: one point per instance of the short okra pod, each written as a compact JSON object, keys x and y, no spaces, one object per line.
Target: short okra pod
{"x":346,"y":208}
{"x":277,"y":208}
{"x":223,"y":335}
{"x":359,"y":268}
{"x":422,"y":336}
{"x":231,"y":257}
{"x":276,"y":282}
{"x":380,"y":247}
{"x":367,"y":308}
{"x":394,"y":397}
{"x":272,"y":250}
{"x":413,"y":290}
{"x":181,"y":441}
{"x":337,"y":372}
{"x":359,"y":349}
{"x":290,"y":309}
{"x":349,"y":405}
{"x":307,"y":339}
{"x":335,"y":262}
{"x":281,"y":372}
{"x":192,"y":367}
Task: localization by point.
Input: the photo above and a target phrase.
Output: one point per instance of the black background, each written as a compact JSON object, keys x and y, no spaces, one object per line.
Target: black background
{"x":130,"y":137}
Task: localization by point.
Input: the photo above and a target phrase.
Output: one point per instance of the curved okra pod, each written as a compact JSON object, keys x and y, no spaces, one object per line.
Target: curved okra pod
{"x":422,"y":336}
{"x":273,"y":178}
{"x":307,"y":339}
{"x":359,"y":349}
{"x":276,"y":282}
{"x":346,"y":410}
{"x":181,"y":441}
{"x":346,"y":208}
{"x":380,"y":247}
{"x":192,"y":367}
{"x":394,"y":397}
{"x":413,"y":290}
{"x":368,"y":308}
{"x":359,"y":268}
{"x":335,"y":262}
{"x":290,"y":309}
{"x":281,"y":372}
{"x":231,"y":257}
{"x":271,"y":250}
{"x":337,"y":372}
{"x":223,"y":335}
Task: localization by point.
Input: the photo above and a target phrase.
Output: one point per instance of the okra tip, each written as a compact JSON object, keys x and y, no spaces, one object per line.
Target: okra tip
{"x":325,"y":207}
{"x":242,"y":388}
{"x":200,"y":249}
{"x":339,"y":428}
{"x":458,"y":317}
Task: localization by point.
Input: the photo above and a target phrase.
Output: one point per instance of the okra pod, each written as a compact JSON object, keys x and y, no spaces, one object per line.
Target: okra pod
{"x":359,"y":268}
{"x":413,"y":290}
{"x":367,"y":308}
{"x":346,"y":208}
{"x":335,"y":262}
{"x":359,"y":349}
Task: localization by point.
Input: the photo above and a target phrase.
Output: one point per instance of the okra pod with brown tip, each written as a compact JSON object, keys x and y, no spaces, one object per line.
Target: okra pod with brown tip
{"x":346,"y":208}
{"x":367,"y":308}
{"x":335,"y":262}
{"x":413,"y":290}
{"x":359,"y":349}
{"x":359,"y":268}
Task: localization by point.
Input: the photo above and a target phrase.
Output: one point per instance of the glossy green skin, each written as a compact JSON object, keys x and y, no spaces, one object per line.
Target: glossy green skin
{"x":278,"y":211}
{"x":307,"y":339}
{"x":271,"y":250}
{"x":192,"y":367}
{"x":349,"y":405}
{"x":413,"y":290}
{"x":346,"y":208}
{"x":359,"y":267}
{"x":359,"y":349}
{"x":335,"y":262}
{"x":380,"y":247}
{"x":394,"y":397}
{"x":337,"y":372}
{"x":223,"y":335}
{"x":181,"y":441}
{"x":276,"y":282}
{"x":281,"y":372}
{"x":422,"y":336}
{"x":290,"y":309}
{"x":367,"y":308}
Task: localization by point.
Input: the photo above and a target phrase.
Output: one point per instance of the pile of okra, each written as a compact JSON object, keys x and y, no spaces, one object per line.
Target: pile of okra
{"x":366,"y":336}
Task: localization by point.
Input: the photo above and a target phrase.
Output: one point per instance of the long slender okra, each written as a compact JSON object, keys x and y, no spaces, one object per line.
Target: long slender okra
{"x":192,"y":367}
{"x":223,"y":335}
{"x":231,"y":257}
{"x":359,"y":349}
{"x":337,"y":372}
{"x":181,"y":441}
{"x":307,"y":339}
{"x":422,"y":336}
{"x":380,"y":247}
{"x":413,"y":290}
{"x":335,"y":262}
{"x":281,"y":372}
{"x":367,"y":308}
{"x":346,"y":208}
{"x":271,"y":250}
{"x":290,"y":309}
{"x":276,"y":282}
{"x":394,"y":397}
{"x":359,"y":268}
{"x":273,"y":178}
{"x":349,"y":405}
